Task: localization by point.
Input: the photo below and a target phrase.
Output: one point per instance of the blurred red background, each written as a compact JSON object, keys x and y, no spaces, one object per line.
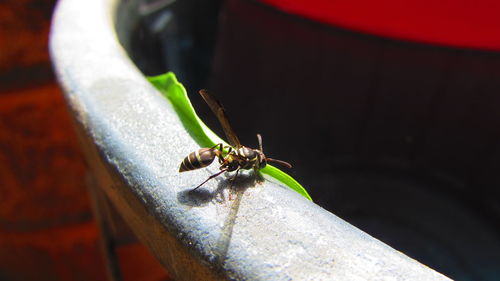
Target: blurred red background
{"x":47,"y":231}
{"x":466,"y":24}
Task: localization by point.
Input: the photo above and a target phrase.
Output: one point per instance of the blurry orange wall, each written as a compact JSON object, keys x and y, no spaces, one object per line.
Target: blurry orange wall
{"x":46,"y":227}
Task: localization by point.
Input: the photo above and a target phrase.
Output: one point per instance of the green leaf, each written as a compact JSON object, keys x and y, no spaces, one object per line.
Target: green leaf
{"x":168,"y":85}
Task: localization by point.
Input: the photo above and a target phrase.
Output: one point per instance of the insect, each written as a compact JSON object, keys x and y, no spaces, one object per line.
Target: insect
{"x":233,"y":157}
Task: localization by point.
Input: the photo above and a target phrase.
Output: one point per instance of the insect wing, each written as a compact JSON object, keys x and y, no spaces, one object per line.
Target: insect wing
{"x":219,"y":111}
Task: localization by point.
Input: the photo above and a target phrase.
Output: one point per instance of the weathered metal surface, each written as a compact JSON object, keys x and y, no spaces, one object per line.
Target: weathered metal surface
{"x":134,"y":143}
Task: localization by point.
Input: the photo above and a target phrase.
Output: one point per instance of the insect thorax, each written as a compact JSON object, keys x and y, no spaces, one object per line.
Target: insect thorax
{"x":250,"y":157}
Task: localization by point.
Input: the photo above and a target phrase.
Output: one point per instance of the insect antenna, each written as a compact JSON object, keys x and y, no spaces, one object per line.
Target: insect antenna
{"x":286,"y":164}
{"x":259,"y":138}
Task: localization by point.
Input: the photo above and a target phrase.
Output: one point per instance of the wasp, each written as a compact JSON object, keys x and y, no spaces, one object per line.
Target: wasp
{"x":233,"y":157}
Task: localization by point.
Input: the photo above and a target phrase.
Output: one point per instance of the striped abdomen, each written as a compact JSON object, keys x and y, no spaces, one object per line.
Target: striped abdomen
{"x":198,"y":159}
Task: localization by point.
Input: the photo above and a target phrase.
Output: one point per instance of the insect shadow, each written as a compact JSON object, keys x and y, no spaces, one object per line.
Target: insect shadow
{"x":234,"y":185}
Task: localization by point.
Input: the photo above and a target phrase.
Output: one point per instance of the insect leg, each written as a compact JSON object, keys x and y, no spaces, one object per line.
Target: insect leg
{"x":219,"y":152}
{"x":234,"y":177}
{"x":219,"y":146}
{"x":209,"y":178}
{"x":229,"y":148}
{"x":232,"y":181}
{"x":258,"y":175}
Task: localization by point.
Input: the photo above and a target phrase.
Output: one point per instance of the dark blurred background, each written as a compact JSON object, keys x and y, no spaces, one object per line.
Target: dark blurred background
{"x":388,"y":111}
{"x":46,"y":227}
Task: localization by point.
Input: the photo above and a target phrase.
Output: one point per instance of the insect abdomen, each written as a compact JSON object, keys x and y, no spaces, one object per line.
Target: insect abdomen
{"x":198,"y":159}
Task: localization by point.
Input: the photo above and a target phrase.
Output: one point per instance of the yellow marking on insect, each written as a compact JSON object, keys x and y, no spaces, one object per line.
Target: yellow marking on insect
{"x":198,"y":157}
{"x":189,"y":161}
